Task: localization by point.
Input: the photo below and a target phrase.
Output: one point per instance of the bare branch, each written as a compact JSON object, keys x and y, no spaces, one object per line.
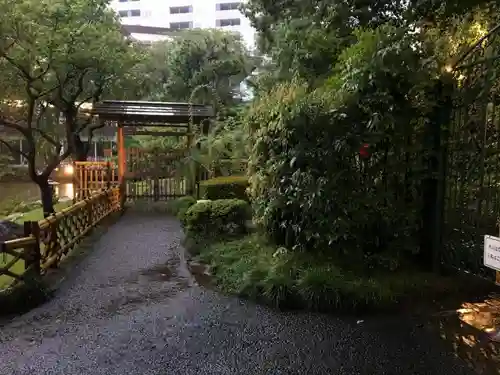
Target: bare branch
{"x":56,"y":160}
{"x":86,"y":100}
{"x":43,"y":72}
{"x":47,"y":137}
{"x":5,"y":122}
{"x":85,"y":124}
{"x":80,"y":85}
{"x":23,"y":70}
{"x":43,"y":109}
{"x":14,"y":150}
{"x":92,"y":129}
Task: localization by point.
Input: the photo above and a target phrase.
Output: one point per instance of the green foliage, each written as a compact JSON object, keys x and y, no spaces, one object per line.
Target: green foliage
{"x":222,"y":217}
{"x":72,"y":51}
{"x":430,"y":11}
{"x":310,"y":187}
{"x":448,"y":39}
{"x":173,"y":69}
{"x":303,"y":38}
{"x":227,"y":187}
{"x":69,"y":55}
{"x":223,"y":151}
{"x":179,"y":207}
{"x":252,"y":267}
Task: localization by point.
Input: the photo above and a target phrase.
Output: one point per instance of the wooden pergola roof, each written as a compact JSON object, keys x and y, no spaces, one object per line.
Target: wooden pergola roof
{"x":144,"y":113}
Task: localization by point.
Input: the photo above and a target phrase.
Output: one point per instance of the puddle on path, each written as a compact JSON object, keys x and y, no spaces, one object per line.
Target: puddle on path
{"x":467,"y":332}
{"x":484,"y":316}
{"x":161,"y":272}
{"x":201,"y":273}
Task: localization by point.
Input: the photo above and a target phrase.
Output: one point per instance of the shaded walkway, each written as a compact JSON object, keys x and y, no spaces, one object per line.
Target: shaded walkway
{"x":132,"y":308}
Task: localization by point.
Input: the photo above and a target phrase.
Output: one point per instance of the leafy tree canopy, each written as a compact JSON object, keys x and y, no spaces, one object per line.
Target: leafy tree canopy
{"x":57,"y":54}
{"x":173,"y":69}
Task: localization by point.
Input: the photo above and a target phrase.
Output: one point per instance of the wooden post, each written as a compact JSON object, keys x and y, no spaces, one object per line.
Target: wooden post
{"x":122,"y":164}
{"x":190,"y":179}
{"x":75,"y":182}
{"x":156,"y":180}
{"x":32,"y":254}
{"x":108,"y":175}
{"x":121,"y":154}
{"x":497,"y":273}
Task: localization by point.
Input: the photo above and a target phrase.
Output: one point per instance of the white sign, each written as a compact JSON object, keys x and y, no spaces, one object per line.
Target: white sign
{"x":492,"y":252}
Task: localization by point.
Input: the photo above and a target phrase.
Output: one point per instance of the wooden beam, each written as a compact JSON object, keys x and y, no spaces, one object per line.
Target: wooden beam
{"x":132,"y":131}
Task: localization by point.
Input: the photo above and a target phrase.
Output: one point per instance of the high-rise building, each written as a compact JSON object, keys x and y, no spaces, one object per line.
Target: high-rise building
{"x":185,"y":14}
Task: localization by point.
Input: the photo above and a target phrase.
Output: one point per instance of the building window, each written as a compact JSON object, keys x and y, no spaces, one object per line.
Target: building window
{"x":181,"y":25}
{"x":228,"y":22}
{"x":130,"y":13}
{"x":181,"y":10}
{"x":228,"y":6}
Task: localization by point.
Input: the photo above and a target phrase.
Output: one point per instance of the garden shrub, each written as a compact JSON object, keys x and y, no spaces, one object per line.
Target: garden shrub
{"x":252,"y":267}
{"x":179,"y":207}
{"x":336,"y":169}
{"x":222,"y":217}
{"x":226,"y":187}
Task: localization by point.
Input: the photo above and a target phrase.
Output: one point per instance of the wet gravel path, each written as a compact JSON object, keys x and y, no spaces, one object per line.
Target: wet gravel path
{"x":131,"y":308}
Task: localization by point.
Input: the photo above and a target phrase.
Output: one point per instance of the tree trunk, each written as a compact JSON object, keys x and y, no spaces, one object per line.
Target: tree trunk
{"x":81,"y":149}
{"x":46,"y":195}
{"x":78,"y":148}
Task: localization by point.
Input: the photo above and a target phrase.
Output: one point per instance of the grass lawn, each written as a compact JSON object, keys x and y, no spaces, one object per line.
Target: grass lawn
{"x":37,"y":214}
{"x":18,"y":267}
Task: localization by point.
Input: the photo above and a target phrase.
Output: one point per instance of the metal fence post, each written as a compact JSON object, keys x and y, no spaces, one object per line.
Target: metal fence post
{"x":433,"y":185}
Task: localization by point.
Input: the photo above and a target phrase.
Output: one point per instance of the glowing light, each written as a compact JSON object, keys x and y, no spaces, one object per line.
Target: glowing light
{"x":448,"y":68}
{"x":479,"y":29}
{"x":68,"y":169}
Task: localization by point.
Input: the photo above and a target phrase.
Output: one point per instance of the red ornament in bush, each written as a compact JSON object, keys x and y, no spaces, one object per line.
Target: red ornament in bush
{"x":364,"y":151}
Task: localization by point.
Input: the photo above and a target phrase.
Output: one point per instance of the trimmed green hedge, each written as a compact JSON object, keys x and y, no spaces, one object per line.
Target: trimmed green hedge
{"x":217,"y":218}
{"x":179,"y":207}
{"x":182,"y":206}
{"x":226,"y":187}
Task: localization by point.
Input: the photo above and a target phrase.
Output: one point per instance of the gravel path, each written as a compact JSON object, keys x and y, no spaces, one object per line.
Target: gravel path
{"x":131,"y":308}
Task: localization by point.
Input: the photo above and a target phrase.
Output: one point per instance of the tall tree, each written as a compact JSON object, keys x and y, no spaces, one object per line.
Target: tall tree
{"x":305,"y":37}
{"x":172,"y":69}
{"x":60,"y":54}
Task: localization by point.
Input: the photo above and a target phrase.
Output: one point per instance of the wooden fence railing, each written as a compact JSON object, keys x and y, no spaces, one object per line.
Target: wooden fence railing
{"x":90,"y":177}
{"x":48,"y":241}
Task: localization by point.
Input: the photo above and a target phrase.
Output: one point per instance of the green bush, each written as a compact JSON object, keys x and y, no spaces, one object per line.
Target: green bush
{"x":335,"y":169}
{"x":227,"y":187}
{"x":179,"y":207}
{"x":220,"y":217}
{"x":252,"y":267}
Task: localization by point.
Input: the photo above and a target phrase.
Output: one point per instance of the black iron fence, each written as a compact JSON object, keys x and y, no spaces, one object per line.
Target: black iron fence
{"x":470,"y":169}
